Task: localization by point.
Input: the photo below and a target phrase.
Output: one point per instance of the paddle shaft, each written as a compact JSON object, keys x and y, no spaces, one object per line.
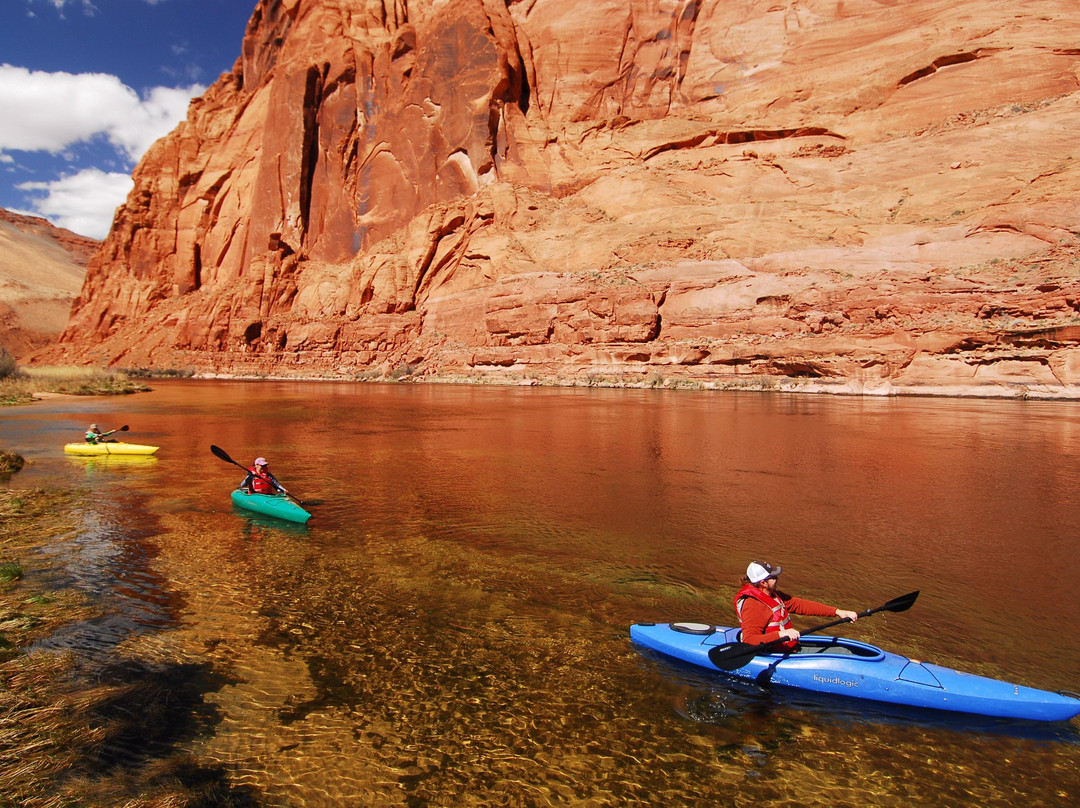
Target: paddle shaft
{"x":895,"y":605}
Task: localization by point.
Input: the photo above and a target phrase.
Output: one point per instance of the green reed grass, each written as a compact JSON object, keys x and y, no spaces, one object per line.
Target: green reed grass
{"x":10,"y":571}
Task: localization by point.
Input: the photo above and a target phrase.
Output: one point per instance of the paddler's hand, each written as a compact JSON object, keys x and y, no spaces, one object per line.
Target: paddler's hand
{"x":790,"y":634}
{"x":846,"y":615}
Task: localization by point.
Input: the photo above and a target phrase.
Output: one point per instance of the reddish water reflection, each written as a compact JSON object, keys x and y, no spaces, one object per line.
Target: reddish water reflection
{"x":451,"y":625}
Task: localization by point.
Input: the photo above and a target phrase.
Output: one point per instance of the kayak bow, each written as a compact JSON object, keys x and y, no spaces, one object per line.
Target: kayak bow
{"x":840,"y":666}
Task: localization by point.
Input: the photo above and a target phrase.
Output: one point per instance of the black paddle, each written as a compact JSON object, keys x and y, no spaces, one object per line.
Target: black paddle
{"x":104,"y":435}
{"x":221,"y":453}
{"x":734,"y":655}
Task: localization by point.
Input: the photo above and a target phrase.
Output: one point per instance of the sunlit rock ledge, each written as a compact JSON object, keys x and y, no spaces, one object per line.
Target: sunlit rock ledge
{"x":749,"y":384}
{"x":936,"y":376}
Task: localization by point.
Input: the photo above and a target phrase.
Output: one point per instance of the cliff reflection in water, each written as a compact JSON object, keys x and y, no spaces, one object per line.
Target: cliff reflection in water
{"x":451,"y":626}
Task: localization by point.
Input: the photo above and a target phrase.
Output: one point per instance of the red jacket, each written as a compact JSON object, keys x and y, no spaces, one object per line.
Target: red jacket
{"x":261,"y":483}
{"x":762,"y":617}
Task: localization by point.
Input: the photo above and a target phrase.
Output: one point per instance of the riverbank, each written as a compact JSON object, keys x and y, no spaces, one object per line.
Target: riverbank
{"x":25,"y":385}
{"x":72,"y":733}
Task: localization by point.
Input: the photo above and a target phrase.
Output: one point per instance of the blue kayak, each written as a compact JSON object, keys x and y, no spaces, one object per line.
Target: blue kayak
{"x":271,"y":505}
{"x":839,"y":666}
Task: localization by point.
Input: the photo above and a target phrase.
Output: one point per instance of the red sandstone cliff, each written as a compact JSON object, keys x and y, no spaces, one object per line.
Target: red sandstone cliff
{"x":850,"y":195}
{"x":41,"y":270}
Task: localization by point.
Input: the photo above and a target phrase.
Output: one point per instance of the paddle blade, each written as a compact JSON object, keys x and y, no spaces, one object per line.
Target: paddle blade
{"x":900,"y":604}
{"x":124,"y":428}
{"x":734,"y":655}
{"x":223,"y":455}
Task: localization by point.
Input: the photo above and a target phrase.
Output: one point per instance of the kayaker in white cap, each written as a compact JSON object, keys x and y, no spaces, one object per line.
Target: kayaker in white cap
{"x":764,"y":610}
{"x":259,"y":480}
{"x":95,"y":436}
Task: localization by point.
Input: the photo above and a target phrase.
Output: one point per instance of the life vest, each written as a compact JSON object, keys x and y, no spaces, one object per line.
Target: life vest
{"x":260,"y":483}
{"x":92,"y":437}
{"x":780,"y":619}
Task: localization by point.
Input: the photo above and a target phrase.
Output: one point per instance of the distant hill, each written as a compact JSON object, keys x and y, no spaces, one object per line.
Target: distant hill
{"x":41,"y":271}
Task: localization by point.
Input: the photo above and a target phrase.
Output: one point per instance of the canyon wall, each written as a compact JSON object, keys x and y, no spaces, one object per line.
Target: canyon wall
{"x":854,"y":196}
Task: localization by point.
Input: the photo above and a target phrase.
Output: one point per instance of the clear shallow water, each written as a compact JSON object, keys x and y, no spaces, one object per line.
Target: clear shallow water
{"x":451,"y":626}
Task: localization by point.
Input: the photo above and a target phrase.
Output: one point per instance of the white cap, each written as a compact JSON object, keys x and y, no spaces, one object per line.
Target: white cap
{"x":758,"y":571}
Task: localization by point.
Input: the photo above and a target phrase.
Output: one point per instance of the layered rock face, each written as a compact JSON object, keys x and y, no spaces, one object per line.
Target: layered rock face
{"x":871,"y":196}
{"x":41,"y":271}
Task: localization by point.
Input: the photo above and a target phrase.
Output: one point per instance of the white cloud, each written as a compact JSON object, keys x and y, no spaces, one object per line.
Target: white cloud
{"x":54,"y":112}
{"x":154,"y":117}
{"x":83,"y":203}
{"x":51,"y":111}
{"x":88,"y":6}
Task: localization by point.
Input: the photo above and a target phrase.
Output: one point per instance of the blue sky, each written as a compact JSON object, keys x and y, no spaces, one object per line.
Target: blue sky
{"x":87,"y":85}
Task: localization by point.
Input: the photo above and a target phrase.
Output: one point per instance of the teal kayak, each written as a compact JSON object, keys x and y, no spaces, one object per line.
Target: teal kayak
{"x":270,"y":505}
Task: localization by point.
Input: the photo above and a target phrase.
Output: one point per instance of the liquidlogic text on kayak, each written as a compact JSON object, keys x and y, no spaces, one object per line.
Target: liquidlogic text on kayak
{"x":845,"y":667}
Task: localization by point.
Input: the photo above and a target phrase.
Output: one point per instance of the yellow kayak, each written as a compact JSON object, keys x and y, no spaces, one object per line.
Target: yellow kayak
{"x":114,"y":448}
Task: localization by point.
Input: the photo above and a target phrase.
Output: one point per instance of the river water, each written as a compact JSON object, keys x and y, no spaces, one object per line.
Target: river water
{"x":451,"y":627}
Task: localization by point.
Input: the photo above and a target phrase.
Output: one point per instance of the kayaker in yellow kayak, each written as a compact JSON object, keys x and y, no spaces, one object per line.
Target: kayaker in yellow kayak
{"x":259,"y":480}
{"x":94,"y":436}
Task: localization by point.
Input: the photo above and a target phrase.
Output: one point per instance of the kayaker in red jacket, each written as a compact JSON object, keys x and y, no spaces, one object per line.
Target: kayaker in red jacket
{"x":764,"y":610}
{"x":259,"y":480}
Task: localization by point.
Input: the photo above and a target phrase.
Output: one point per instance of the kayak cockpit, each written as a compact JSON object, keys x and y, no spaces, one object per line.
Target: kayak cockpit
{"x":809,"y":645}
{"x":838,"y":646}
